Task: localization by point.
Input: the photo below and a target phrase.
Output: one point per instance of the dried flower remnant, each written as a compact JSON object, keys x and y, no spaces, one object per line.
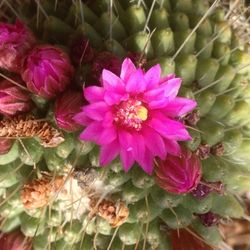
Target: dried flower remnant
{"x":116,"y":213}
{"x":27,"y":127}
{"x":218,"y":149}
{"x":134,"y":115}
{"x":38,"y":193}
{"x":203,"y":151}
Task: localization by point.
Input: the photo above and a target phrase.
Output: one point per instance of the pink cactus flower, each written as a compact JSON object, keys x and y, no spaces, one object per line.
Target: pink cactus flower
{"x":5,"y":145}
{"x":13,"y":100}
{"x":134,"y":115}
{"x":47,"y":71}
{"x":15,"y":42}
{"x":66,"y":107}
{"x":179,"y":174}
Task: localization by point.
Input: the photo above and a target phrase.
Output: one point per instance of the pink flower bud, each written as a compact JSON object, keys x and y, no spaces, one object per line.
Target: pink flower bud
{"x":179,"y":174}
{"x":5,"y":145}
{"x":47,"y":71}
{"x":13,"y":100}
{"x":66,"y":107}
{"x":209,"y":219}
{"x":81,"y":51}
{"x":15,"y":42}
{"x":15,"y":241}
{"x":105,"y":60}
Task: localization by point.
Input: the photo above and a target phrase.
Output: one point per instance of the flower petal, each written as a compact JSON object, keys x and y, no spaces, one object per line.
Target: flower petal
{"x":92,"y":132}
{"x":136,"y":82}
{"x":127,"y":69}
{"x":168,"y":128}
{"x":126,"y":140}
{"x":154,"y":142}
{"x":179,"y":106}
{"x":138,"y":146}
{"x":147,"y":162}
{"x":109,"y":152}
{"x":127,"y":159}
{"x":82,"y":119}
{"x":167,"y":78}
{"x":171,"y":88}
{"x":107,"y":135}
{"x":172,"y":147}
{"x":153,"y":76}
{"x":94,"y":94}
{"x":112,"y":82}
{"x":112,"y":97}
{"x":96,"y":111}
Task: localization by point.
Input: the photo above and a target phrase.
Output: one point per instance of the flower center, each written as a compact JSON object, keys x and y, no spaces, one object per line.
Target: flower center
{"x":131,"y":114}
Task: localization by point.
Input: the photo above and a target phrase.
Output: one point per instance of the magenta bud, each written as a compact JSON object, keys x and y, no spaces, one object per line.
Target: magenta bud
{"x":209,"y":219}
{"x":66,"y":107}
{"x":105,"y":60}
{"x":179,"y":174}
{"x":15,"y":241}
{"x":13,"y":100}
{"x":204,"y":188}
{"x":15,"y":42}
{"x":5,"y":145}
{"x":201,"y":191}
{"x":81,"y":51}
{"x":137,"y":58}
{"x":47,"y":71}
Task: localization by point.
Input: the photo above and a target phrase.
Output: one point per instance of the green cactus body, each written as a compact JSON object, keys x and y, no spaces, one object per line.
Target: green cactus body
{"x":213,"y":73}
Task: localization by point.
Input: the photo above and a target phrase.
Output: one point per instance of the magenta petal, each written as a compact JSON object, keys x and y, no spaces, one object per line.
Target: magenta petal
{"x":94,"y":94}
{"x":96,"y":111}
{"x":112,"y":97}
{"x":112,"y":82}
{"x":154,"y":142}
{"x":156,"y":98}
{"x":82,"y":119}
{"x":136,"y":82}
{"x":166,"y":78}
{"x":179,"y":106}
{"x":92,"y":132}
{"x":126,"y":140}
{"x":108,"y":119}
{"x":172,"y":147}
{"x":168,"y":128}
{"x":127,"y":159}
{"x":109,"y":152}
{"x":107,"y":135}
{"x":138,"y":146}
{"x":153,"y":76}
{"x":127,"y":69}
{"x":147,"y":163}
{"x":171,"y":88}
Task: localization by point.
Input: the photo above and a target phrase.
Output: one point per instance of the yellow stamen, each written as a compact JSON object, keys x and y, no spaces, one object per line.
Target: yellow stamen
{"x":142,"y":113}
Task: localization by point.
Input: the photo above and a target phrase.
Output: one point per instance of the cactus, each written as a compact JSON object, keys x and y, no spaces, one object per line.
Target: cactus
{"x":51,"y":184}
